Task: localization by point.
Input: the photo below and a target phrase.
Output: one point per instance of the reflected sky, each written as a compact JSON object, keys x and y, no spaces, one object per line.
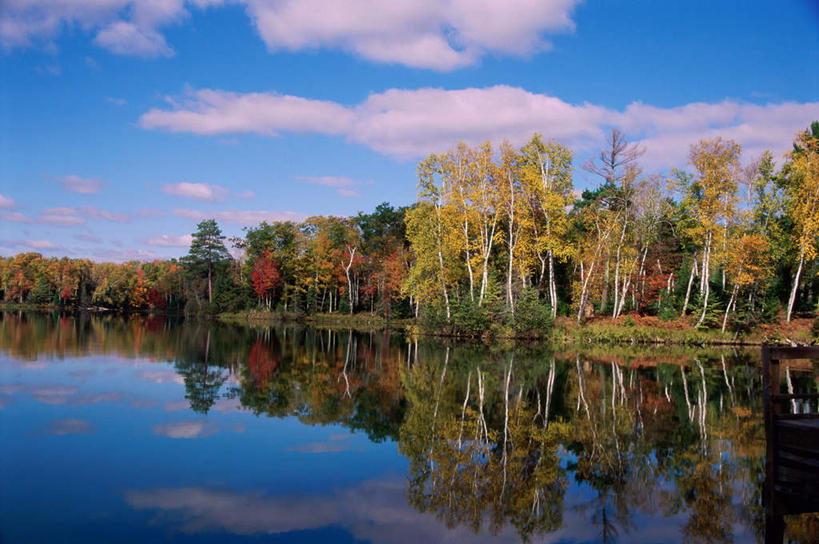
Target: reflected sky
{"x":133,"y":431}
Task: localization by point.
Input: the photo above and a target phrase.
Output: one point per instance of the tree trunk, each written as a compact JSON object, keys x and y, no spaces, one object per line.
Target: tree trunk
{"x":210,"y":287}
{"x":584,"y":293}
{"x":792,"y":298}
{"x":605,"y":295}
{"x":347,"y":273}
{"x":511,"y":243}
{"x":728,"y":308}
{"x":552,"y":288}
{"x":469,"y":261}
{"x":617,"y":268}
{"x":441,"y":261}
{"x":706,"y":273}
{"x":690,"y":282}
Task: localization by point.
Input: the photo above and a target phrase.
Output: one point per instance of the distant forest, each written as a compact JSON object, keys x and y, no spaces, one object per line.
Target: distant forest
{"x":500,"y":235}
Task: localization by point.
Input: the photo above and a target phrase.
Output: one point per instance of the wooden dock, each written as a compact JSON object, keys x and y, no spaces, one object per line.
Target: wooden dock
{"x":792,"y":455}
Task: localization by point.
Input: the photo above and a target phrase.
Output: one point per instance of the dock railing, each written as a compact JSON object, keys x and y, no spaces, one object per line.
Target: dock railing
{"x":792,"y":436}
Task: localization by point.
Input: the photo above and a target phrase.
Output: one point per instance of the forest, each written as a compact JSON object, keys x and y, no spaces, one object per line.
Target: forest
{"x":499,"y":239}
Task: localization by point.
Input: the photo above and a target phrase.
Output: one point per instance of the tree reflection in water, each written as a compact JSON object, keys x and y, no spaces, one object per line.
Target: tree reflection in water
{"x":494,"y":436}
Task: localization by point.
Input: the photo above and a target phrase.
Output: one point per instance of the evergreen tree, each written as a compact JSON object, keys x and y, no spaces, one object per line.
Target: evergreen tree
{"x":207,"y":251}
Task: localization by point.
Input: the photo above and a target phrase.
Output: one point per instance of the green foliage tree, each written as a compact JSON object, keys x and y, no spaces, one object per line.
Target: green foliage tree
{"x":207,"y":252}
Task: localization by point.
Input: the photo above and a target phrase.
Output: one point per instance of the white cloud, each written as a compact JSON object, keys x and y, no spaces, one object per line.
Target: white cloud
{"x":169,"y":240}
{"x":411,"y":123}
{"x":372,"y":511}
{"x":125,"y":38}
{"x":125,"y":27}
{"x":434,"y":34}
{"x":88,"y":238}
{"x":7,"y":203}
{"x":62,"y":216}
{"x":329,"y":181}
{"x":31,"y":244}
{"x":65,"y":216}
{"x":246,"y":194}
{"x":342,"y":185}
{"x":196,"y":191}
{"x":219,"y":112}
{"x":149,"y":213}
{"x":116,"y":101}
{"x":59,"y":216}
{"x":119,"y":255}
{"x":162,"y":376}
{"x":186,"y":429}
{"x":241,"y":217}
{"x":348,"y":193}
{"x":98,"y":213}
{"x":68,"y":426}
{"x":76,"y":184}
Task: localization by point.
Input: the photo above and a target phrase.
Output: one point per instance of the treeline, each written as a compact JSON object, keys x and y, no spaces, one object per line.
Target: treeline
{"x":500,"y":238}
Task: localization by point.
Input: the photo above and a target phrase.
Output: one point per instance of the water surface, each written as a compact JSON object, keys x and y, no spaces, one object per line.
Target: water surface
{"x":152,"y":429}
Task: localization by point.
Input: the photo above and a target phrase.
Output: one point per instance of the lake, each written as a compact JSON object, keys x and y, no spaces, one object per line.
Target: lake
{"x":154,"y":429}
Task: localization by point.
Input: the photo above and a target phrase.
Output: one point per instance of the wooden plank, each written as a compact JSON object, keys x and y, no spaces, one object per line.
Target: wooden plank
{"x":791,"y":396}
{"x":798,"y":416}
{"x":783,"y":353}
{"x":792,"y":445}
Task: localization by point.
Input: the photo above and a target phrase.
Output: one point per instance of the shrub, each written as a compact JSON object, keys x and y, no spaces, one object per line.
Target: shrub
{"x":532,"y":315}
{"x":668,"y":314}
{"x":469,"y":319}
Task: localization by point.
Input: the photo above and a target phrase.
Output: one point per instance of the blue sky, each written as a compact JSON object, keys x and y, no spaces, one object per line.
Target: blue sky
{"x":124,"y":123}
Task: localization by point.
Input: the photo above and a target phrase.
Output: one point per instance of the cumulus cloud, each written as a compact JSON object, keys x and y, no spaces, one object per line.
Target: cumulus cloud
{"x":335,"y":443}
{"x":240,"y":217}
{"x":169,"y":240}
{"x":76,"y":184}
{"x":373,"y":511}
{"x":196,"y":191}
{"x":60,"y":395}
{"x":220,"y":112}
{"x":344,"y":186}
{"x":122,"y":255}
{"x":68,"y":426}
{"x":161,"y":376}
{"x":84,"y":237}
{"x":66,"y":216}
{"x":432,"y":34}
{"x":220,"y":405}
{"x":7,"y":203}
{"x":31,"y":244}
{"x":125,"y":38}
{"x":186,"y":429}
{"x":149,"y":213}
{"x":126,"y":27}
{"x":411,"y":123}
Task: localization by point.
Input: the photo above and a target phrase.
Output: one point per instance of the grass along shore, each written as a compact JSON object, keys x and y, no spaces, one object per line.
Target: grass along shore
{"x":603,"y":330}
{"x":624,"y":330}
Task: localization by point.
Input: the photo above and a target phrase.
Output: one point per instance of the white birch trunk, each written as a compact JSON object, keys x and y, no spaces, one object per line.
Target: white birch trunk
{"x":792,"y":298}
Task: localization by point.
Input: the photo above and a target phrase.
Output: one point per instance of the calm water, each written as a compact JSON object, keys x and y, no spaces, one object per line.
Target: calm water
{"x":149,"y":429}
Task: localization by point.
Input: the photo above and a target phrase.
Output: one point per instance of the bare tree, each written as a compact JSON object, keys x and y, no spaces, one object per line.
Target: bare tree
{"x":613,"y":161}
{"x":617,"y":165}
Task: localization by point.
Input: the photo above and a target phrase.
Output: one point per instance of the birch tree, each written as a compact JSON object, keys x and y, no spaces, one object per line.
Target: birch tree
{"x":802,"y":174}
{"x":717,"y":164}
{"x":546,"y":176}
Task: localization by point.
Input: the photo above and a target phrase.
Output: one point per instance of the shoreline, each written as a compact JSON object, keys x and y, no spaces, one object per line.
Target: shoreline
{"x":646,"y":331}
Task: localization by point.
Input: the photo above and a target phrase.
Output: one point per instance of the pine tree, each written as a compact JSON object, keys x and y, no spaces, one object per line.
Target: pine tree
{"x":207,"y":251}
